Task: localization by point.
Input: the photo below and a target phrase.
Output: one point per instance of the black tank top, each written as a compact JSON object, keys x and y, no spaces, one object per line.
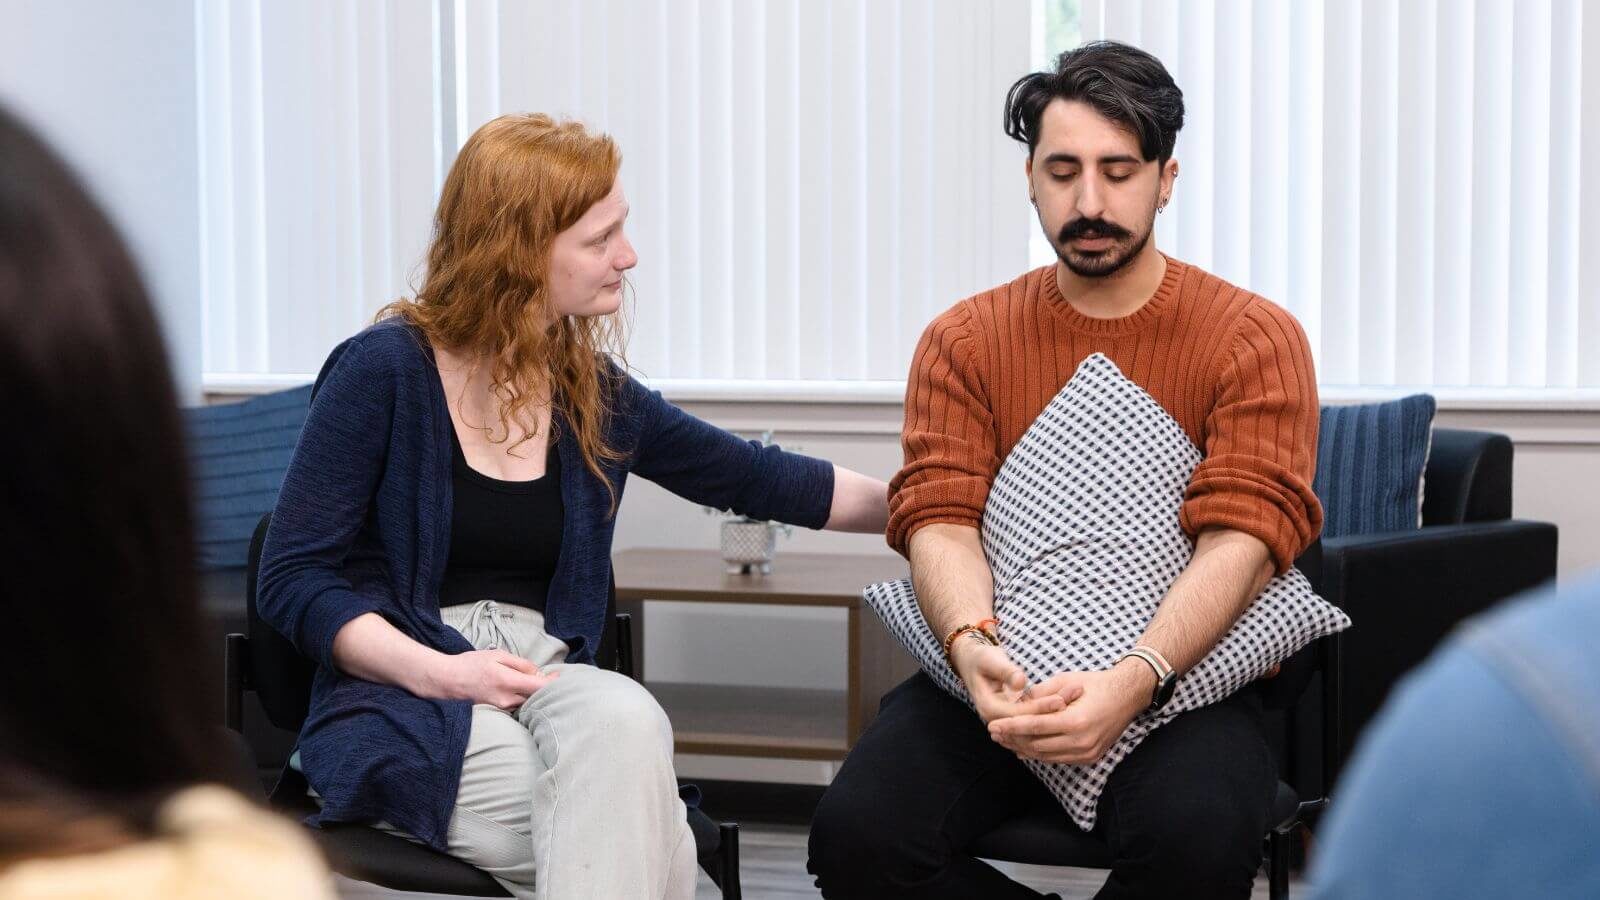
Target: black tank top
{"x":505,"y":536}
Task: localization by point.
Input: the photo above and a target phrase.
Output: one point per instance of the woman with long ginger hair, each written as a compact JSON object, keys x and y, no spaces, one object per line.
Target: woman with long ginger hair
{"x":441,"y":546}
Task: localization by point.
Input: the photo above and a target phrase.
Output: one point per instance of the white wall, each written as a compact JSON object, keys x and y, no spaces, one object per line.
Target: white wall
{"x":112,"y":86}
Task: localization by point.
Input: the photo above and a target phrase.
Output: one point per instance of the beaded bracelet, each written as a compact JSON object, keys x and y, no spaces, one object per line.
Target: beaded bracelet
{"x":974,"y":630}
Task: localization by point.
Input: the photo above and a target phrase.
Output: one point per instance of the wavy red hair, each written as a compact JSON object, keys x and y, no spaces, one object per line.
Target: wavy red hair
{"x":519,"y":181}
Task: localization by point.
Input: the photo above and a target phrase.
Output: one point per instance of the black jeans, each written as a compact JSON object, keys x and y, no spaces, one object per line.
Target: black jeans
{"x":1183,"y":815}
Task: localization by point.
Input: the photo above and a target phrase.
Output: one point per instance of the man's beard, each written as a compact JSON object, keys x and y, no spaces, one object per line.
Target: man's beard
{"x":1101,"y":263}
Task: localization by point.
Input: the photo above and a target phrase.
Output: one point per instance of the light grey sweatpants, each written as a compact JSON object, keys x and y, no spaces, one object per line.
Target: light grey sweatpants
{"x":574,"y":795}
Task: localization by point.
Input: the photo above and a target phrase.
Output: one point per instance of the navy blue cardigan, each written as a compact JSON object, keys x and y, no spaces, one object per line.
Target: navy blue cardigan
{"x":363,"y":525}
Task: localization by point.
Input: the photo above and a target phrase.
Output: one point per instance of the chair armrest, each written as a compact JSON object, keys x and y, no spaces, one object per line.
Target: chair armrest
{"x":1462,"y":569}
{"x":1468,"y":477}
{"x":1405,"y":591}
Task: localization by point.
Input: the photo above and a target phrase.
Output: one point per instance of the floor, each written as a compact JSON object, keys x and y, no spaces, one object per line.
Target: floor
{"x":773,"y":867}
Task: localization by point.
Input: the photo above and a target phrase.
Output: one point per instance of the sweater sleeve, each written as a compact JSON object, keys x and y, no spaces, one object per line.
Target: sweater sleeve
{"x":705,"y":464}
{"x":301,"y":591}
{"x":949,"y":435}
{"x":1261,"y":440}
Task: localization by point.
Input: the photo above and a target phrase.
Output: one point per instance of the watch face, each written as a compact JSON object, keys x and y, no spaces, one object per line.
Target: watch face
{"x":1165,"y":690}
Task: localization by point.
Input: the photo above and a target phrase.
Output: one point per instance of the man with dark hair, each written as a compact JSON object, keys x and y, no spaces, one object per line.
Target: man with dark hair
{"x":1183,"y":815}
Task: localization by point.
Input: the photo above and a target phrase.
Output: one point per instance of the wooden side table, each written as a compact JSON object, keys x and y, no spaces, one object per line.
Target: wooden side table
{"x":790,"y":723}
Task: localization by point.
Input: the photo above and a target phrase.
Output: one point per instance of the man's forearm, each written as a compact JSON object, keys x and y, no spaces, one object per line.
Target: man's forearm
{"x":1228,"y":571}
{"x":951,"y":575}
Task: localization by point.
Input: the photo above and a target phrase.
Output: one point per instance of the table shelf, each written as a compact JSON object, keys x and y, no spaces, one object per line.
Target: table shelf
{"x":785,"y":723}
{"x":738,"y":720}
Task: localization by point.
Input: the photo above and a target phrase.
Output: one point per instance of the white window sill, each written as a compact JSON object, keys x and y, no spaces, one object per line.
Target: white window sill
{"x":708,"y":390}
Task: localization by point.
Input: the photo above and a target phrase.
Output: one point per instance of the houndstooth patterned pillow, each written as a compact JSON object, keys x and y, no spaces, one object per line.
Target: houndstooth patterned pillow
{"x":1081,"y":531}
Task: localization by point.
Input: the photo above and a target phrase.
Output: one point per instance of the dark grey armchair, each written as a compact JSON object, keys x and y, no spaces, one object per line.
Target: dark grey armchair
{"x":1406,"y":590}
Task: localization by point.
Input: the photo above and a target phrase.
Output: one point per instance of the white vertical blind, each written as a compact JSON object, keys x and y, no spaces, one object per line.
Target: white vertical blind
{"x":1405,"y":176}
{"x":1586,"y":296}
{"x":811,"y":182}
{"x":1561,"y":322}
{"x":320,"y":155}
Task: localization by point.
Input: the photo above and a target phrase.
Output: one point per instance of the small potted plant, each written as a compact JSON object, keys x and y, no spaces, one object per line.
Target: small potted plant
{"x":748,"y":545}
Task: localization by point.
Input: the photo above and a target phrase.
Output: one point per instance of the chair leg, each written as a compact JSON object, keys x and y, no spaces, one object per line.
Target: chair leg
{"x":1278,"y":864}
{"x":626,"y":663}
{"x":728,"y":861}
{"x":233,"y":658}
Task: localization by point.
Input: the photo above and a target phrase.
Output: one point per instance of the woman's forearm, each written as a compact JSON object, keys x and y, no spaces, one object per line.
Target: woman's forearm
{"x":370,"y":648}
{"x":860,"y":503}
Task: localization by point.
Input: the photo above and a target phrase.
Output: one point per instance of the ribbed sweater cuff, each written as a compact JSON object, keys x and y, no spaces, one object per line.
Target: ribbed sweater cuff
{"x":1285,"y":535}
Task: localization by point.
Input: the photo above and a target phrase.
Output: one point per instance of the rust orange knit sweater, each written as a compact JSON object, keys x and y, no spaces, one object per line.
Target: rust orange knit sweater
{"x":1232,"y":368}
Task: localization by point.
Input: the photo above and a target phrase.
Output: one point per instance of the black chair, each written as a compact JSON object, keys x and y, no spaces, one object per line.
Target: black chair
{"x":1406,"y":590}
{"x":268,"y":664}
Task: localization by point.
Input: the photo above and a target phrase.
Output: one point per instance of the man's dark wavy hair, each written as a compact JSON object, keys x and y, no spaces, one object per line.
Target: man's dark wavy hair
{"x":1122,"y":83}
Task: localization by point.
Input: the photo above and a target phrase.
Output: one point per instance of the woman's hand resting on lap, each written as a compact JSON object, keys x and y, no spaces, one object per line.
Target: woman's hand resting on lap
{"x":371,"y":648}
{"x":494,"y":677}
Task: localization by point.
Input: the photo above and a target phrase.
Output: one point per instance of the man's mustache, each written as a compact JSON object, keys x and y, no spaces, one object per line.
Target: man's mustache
{"x":1090,"y":228}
